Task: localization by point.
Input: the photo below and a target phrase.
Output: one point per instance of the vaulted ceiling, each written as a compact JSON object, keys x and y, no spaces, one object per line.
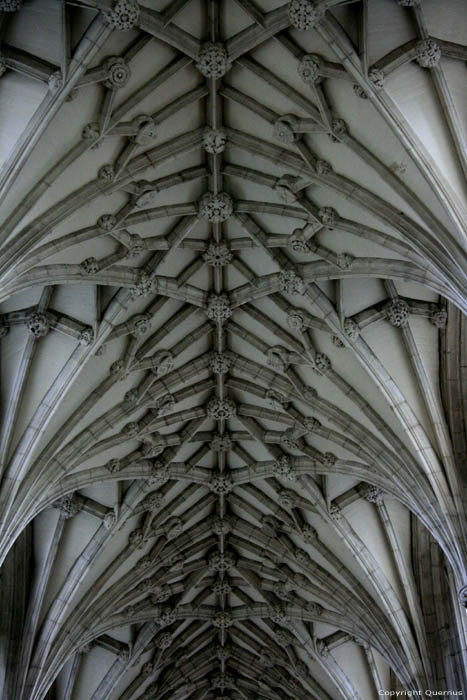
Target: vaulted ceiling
{"x":233,"y":281}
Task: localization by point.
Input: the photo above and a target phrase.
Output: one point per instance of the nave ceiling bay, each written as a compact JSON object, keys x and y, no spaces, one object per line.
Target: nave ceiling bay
{"x":232,"y":285}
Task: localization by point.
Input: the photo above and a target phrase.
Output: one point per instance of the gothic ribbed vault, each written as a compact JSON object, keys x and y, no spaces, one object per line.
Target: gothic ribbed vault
{"x":232,"y":278}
